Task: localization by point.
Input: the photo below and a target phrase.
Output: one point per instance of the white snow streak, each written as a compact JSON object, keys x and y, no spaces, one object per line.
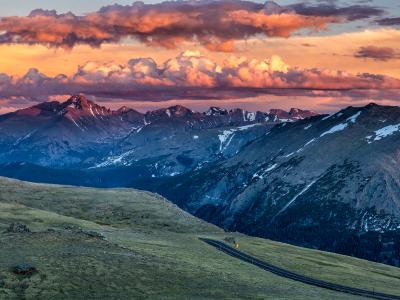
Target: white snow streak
{"x":334,"y":129}
{"x":353,"y":118}
{"x":72,"y":119}
{"x":91,"y":111}
{"x":24,"y":138}
{"x":294,"y":199}
{"x":263,"y":172}
{"x":271,"y":168}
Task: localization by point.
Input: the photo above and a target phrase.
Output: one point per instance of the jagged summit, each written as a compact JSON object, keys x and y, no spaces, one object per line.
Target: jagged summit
{"x":123,"y":109}
{"x":80,"y":102}
{"x":80,"y":106}
{"x":216,"y":111}
{"x":176,"y":111}
{"x":179,"y":111}
{"x":292,"y":114}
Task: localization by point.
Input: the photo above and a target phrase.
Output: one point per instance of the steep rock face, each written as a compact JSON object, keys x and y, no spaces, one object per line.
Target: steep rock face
{"x":325,"y":182}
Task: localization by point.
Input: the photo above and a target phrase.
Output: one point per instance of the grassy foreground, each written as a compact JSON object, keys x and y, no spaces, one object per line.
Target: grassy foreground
{"x":150,"y":250}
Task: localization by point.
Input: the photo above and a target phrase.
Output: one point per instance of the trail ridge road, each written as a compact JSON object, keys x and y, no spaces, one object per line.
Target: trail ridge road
{"x":294,"y":276}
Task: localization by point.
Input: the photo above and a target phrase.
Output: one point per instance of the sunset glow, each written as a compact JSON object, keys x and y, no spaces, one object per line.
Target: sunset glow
{"x":341,"y":42}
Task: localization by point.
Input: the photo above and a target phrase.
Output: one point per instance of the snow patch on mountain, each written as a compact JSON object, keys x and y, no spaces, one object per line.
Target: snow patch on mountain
{"x":309,"y":142}
{"x":216,"y":111}
{"x":261,"y":173}
{"x":248,"y":116}
{"x":290,"y":154}
{"x":302,"y":148}
{"x":91,"y":111}
{"x":225,"y":139}
{"x":76,"y":124}
{"x":353,"y":118}
{"x":383,"y":132}
{"x":369,"y":221}
{"x":339,"y":114}
{"x":145,"y":122}
{"x":139,"y":129}
{"x":25,"y":137}
{"x":335,"y":128}
{"x":226,"y":136}
{"x":342,"y":126}
{"x":116,"y":160}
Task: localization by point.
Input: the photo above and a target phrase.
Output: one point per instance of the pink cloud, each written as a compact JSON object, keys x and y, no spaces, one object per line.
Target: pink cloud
{"x":193,"y":76}
{"x":214,"y":24}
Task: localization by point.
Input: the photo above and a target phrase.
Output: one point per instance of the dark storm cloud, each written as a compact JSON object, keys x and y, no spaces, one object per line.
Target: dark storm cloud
{"x":389,"y":22}
{"x":329,"y":9}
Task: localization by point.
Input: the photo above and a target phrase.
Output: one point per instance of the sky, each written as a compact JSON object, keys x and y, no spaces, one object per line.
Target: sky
{"x":318,"y":54}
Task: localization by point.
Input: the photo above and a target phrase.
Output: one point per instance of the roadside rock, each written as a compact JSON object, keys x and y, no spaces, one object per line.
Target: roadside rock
{"x":24,"y":269}
{"x":94,"y":234}
{"x":18,"y":228}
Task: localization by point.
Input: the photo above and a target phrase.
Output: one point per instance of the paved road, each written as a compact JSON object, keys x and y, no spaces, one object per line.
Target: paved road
{"x":288,"y":274}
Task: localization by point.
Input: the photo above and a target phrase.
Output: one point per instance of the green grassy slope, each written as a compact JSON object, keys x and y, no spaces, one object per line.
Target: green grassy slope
{"x":150,"y":250}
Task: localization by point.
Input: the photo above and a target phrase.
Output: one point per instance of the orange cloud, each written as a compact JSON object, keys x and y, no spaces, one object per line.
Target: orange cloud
{"x":214,"y":24}
{"x":281,"y":25}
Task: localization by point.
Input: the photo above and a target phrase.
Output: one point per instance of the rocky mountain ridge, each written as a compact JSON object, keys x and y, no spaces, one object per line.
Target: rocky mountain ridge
{"x":79,"y":133}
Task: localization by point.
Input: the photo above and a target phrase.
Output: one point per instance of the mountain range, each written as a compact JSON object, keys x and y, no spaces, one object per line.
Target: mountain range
{"x":322,"y":181}
{"x":78,"y":133}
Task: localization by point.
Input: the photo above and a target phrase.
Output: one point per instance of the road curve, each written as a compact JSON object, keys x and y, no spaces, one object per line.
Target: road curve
{"x":297,"y":277}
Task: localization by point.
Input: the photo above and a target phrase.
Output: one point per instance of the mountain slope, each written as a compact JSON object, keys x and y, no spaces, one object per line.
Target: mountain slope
{"x":130,"y":244}
{"x":327,"y":182}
